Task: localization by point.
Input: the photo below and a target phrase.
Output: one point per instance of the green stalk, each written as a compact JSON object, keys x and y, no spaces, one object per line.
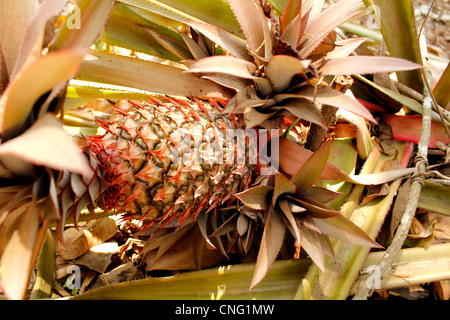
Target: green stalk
{"x":45,"y":266}
{"x":335,"y":283}
{"x":230,"y":282}
{"x":411,"y":266}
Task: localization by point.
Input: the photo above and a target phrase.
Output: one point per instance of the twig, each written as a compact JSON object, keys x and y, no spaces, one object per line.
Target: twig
{"x":386,"y":262}
{"x":419,"y":97}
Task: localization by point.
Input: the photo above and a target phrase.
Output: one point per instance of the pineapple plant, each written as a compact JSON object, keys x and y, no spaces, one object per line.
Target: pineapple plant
{"x":155,"y":164}
{"x":161,"y":161}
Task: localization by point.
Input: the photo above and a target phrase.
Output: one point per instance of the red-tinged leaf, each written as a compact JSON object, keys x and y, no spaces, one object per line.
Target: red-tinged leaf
{"x":282,"y":185}
{"x":315,"y":209}
{"x":291,"y":11}
{"x":253,"y":25}
{"x":310,"y":171}
{"x":256,"y":197}
{"x":224,"y":64}
{"x":15,"y":105}
{"x":372,"y":107}
{"x":408,"y":128}
{"x":292,"y":32}
{"x":271,"y":243}
{"x":336,"y":99}
{"x":293,"y":156}
{"x":307,"y":6}
{"x":344,"y":48}
{"x":284,"y":206}
{"x":341,"y":228}
{"x":322,"y":24}
{"x":235,"y":46}
{"x":281,"y":69}
{"x":312,"y":245}
{"x":47,"y":144}
{"x":366,"y":64}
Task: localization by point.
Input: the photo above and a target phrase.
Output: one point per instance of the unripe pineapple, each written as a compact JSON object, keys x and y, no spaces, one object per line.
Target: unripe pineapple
{"x":162,"y":160}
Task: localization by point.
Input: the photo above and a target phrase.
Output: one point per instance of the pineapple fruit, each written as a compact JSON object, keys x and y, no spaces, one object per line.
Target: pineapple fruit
{"x":159,"y":161}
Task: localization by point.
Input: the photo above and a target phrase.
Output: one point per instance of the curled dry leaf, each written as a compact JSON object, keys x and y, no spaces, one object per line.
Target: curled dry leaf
{"x":186,"y":252}
{"x":96,"y":232}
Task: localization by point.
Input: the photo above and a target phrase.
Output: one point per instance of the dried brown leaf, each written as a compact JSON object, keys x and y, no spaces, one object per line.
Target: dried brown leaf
{"x":24,"y":236}
{"x":97,"y":232}
{"x":374,"y":192}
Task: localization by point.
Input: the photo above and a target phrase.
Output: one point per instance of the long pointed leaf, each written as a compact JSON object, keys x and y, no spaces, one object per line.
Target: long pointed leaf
{"x":47,"y":144}
{"x":282,"y":185}
{"x":14,"y":15}
{"x":343,"y":229}
{"x":336,"y":99}
{"x":255,"y":198}
{"x":16,"y":105}
{"x":292,"y":9}
{"x":93,"y":15}
{"x":253,"y":25}
{"x":216,"y":12}
{"x":345,"y":47}
{"x":311,"y":244}
{"x":399,"y":32}
{"x":366,"y":64}
{"x":127,"y":29}
{"x":232,"y":44}
{"x":271,"y":242}
{"x":149,"y":76}
{"x":323,"y":23}
{"x":224,"y":64}
{"x":310,"y":171}
{"x":284,"y":206}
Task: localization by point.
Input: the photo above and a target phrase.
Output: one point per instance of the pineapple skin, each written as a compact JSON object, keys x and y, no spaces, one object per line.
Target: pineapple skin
{"x":166,"y":159}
